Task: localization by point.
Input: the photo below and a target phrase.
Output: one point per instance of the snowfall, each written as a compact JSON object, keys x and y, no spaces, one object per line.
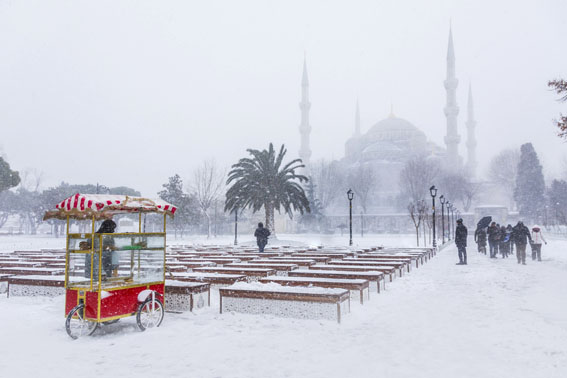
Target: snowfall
{"x":491,"y":318}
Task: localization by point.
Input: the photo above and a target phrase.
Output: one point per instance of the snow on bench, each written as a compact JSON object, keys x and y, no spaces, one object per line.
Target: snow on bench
{"x":409,"y":258}
{"x":358,"y":288}
{"x":36,"y":285}
{"x":399,"y":266}
{"x":32,"y":271}
{"x":375,"y":277}
{"x":406,"y":265}
{"x":215,"y":279}
{"x":280,"y":268}
{"x":183,"y":296}
{"x":389,"y":271}
{"x":4,"y":283}
{"x":286,"y":260}
{"x":284,"y":301}
{"x":252,"y":274}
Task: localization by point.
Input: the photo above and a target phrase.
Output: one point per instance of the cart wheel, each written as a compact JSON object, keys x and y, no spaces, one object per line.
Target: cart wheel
{"x":150,"y":314}
{"x":76,"y":325}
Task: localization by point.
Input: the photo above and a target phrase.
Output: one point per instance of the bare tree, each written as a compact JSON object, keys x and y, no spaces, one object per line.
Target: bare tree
{"x":329,"y":180}
{"x":503,"y":171}
{"x":458,"y":187}
{"x":415,"y":217}
{"x":423,"y":216}
{"x":362,"y":180}
{"x":417,"y":176}
{"x":208,"y":184}
{"x":560,"y":86}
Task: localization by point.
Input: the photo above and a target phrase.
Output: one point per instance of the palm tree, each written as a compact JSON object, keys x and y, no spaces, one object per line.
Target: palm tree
{"x":261,"y":181}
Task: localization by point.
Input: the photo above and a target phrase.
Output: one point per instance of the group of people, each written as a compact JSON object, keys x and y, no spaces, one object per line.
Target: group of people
{"x":502,"y":239}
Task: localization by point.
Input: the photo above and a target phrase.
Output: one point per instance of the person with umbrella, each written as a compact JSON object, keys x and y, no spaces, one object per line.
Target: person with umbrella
{"x":480,"y":233}
{"x":461,"y":234}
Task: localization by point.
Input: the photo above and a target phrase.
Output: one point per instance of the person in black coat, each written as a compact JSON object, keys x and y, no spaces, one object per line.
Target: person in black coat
{"x":261,"y":235}
{"x":520,"y":236}
{"x":493,"y":239}
{"x":461,"y":234}
{"x":480,"y":239}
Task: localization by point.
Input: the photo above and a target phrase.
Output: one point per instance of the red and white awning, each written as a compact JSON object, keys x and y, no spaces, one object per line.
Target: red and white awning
{"x":85,"y":206}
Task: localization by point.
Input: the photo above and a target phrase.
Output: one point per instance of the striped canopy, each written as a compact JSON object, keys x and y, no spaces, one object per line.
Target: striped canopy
{"x":104,"y":206}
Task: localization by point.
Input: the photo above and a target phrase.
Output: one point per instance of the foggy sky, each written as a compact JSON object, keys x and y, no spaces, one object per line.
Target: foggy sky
{"x":131,"y":92}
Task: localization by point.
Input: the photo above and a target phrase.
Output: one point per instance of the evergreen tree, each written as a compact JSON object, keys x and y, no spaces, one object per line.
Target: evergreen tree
{"x":8,"y":178}
{"x":530,"y":187}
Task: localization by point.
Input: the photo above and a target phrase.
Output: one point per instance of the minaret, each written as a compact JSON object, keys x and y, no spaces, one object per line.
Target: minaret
{"x":452,"y":138}
{"x":471,"y":139}
{"x":357,"y":122}
{"x":304,"y":127}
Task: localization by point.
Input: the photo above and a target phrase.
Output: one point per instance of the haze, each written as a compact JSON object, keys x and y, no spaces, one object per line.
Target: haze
{"x":132,"y":92}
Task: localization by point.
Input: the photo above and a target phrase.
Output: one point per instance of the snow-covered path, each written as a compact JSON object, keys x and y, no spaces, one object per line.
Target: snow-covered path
{"x":492,"y":318}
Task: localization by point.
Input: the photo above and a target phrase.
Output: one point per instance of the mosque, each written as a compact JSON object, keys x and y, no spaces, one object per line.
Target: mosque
{"x":390,"y":142}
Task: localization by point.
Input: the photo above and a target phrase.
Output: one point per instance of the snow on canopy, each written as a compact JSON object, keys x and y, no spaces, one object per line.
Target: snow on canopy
{"x":104,"y":206}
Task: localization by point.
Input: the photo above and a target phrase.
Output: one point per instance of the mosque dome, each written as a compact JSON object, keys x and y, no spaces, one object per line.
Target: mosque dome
{"x":394,"y":128}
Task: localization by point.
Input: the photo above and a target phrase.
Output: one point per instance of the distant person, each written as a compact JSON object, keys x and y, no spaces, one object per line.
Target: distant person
{"x":504,"y":242}
{"x":261,"y":235}
{"x":509,"y":230}
{"x":520,"y":236}
{"x":537,"y":238}
{"x":480,"y":239}
{"x":493,"y":239}
{"x":461,"y":234}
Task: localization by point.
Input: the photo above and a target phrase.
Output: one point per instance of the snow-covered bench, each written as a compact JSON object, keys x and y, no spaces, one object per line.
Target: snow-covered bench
{"x":389,"y":271}
{"x":281,"y":268}
{"x":284,"y":301}
{"x":405,"y":265}
{"x":183,"y":296}
{"x":4,"y":283}
{"x":359,"y":289}
{"x":32,"y":271}
{"x":252,"y":274}
{"x":286,"y":260}
{"x":399,"y":268}
{"x":36,"y":285}
{"x":215,"y":279}
{"x":374,"y":277}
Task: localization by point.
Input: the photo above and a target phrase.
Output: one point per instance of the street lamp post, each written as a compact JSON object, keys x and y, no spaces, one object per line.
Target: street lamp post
{"x":350,"y":196}
{"x":442,"y":200}
{"x":449,"y":207}
{"x":453,"y":211}
{"x":236,"y":226}
{"x":433,"y":192}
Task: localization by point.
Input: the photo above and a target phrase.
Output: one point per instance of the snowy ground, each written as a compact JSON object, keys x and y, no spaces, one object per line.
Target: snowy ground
{"x":492,"y":318}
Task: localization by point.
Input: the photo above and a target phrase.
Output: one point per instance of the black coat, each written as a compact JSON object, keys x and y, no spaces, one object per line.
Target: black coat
{"x":493,"y":234}
{"x":521,"y":234}
{"x":480,"y":236}
{"x":461,"y":234}
{"x":262,"y":234}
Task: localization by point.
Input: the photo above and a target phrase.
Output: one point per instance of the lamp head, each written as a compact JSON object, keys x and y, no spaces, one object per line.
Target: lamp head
{"x":350,"y":194}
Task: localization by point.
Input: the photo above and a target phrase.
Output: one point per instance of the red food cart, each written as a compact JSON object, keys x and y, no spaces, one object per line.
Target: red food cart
{"x":110,"y":275}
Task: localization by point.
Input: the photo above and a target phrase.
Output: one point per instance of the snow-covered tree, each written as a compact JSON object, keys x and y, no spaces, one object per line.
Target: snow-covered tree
{"x":530,"y":186}
{"x":8,"y":178}
{"x":208,"y":183}
{"x":503,"y":171}
{"x":560,"y":86}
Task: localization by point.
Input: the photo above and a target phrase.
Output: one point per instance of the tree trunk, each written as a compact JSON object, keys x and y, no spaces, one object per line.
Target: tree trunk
{"x":270,"y":222}
{"x":208,"y":224}
{"x":417,"y":235}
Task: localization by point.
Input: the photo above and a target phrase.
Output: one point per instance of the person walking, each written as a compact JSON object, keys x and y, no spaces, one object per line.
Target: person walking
{"x":480,"y":239}
{"x":461,"y":234}
{"x":261,"y":235}
{"x":493,"y":239}
{"x":509,"y":231}
{"x":504,"y":245}
{"x":537,"y":238}
{"x":520,"y":235}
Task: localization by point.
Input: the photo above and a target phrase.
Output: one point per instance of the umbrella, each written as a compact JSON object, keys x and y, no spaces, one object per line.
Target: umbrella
{"x":484,"y":222}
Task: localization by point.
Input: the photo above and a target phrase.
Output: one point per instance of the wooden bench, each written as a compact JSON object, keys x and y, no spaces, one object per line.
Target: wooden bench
{"x":32,"y":271}
{"x":4,"y":283}
{"x":280,"y":268}
{"x":399,"y":267}
{"x":36,"y":285}
{"x":389,"y":271}
{"x":183,"y":296}
{"x":286,"y":260}
{"x":405,"y":265}
{"x":252,"y":274}
{"x":374,"y":277}
{"x":358,"y":288}
{"x":295,"y":302}
{"x":215,"y":279}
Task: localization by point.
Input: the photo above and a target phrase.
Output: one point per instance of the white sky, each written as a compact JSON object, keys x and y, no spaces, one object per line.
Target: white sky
{"x":131,"y":92}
